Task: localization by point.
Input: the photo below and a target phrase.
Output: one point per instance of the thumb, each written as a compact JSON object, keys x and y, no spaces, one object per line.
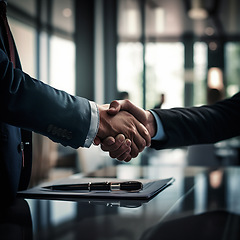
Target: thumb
{"x":114,"y":107}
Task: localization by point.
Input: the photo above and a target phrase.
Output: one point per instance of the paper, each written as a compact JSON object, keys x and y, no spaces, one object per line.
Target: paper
{"x":150,"y":189}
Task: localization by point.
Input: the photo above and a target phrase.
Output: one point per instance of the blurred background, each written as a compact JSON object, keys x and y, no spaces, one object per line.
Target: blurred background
{"x":157,"y":53}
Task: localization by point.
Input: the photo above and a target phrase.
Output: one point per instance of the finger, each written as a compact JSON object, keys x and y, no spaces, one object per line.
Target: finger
{"x":128,"y":158}
{"x":112,"y":144}
{"x":97,"y":141}
{"x":114,"y":107}
{"x":134,"y":150}
{"x":125,"y":156}
{"x":108,"y":143}
{"x":128,"y":106}
{"x":138,"y":140}
{"x":144,"y":133}
{"x":124,"y":148}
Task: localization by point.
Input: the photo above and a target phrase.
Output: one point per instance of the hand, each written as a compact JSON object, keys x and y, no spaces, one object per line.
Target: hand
{"x":123,"y":122}
{"x":143,"y":116}
{"x":118,"y":147}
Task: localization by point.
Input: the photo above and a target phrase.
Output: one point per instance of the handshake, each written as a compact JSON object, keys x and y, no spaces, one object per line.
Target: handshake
{"x":124,"y":129}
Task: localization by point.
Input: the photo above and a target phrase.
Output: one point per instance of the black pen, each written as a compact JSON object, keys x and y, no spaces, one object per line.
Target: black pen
{"x":128,"y":186}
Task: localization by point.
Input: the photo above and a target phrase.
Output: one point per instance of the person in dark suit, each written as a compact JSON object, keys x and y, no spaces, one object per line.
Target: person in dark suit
{"x":27,"y":105}
{"x":176,"y":127}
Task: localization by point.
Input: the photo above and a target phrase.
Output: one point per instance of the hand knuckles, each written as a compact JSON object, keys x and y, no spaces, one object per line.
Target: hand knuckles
{"x":132,"y":132}
{"x":127,"y":159}
{"x":111,"y":155}
{"x":127,"y":101}
{"x":114,"y":148}
{"x":142,"y":145}
{"x":122,"y":158}
{"x":104,"y":148}
{"x":134,"y":153}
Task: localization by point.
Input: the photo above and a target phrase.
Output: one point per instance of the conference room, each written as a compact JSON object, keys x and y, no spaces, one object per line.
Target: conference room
{"x":159,"y":54}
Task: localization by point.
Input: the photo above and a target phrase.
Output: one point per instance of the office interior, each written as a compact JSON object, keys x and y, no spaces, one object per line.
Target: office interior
{"x":148,"y":48}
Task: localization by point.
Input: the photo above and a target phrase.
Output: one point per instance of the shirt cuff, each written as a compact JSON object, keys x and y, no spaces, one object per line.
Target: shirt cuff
{"x":160,"y":134}
{"x":94,"y":124}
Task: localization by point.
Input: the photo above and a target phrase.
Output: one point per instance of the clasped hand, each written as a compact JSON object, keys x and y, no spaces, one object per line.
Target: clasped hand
{"x":124,"y":129}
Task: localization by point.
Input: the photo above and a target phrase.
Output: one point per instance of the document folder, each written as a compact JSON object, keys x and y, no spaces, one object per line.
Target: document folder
{"x":150,"y":189}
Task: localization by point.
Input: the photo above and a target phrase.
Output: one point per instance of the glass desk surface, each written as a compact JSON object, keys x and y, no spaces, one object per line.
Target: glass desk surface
{"x":202,"y":203}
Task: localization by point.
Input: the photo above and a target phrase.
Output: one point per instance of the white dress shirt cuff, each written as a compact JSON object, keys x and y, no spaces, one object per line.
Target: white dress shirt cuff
{"x":94,"y":124}
{"x":160,"y":134}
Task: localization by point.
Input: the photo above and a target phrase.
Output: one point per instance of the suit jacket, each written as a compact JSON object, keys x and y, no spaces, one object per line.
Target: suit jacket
{"x":199,"y":125}
{"x":26,"y":105}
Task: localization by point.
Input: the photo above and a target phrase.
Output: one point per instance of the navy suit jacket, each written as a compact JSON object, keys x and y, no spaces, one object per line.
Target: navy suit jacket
{"x":200,"y":125}
{"x":27,"y":105}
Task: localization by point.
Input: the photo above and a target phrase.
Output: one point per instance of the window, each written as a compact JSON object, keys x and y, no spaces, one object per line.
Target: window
{"x":164,"y":74}
{"x":25,"y":36}
{"x":232,"y":59}
{"x":140,"y":48}
{"x":47,"y":52}
{"x":62,"y":64}
{"x":200,"y":73}
{"x":129,"y":70}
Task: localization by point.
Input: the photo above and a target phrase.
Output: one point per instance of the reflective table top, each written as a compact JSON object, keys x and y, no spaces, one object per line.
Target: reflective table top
{"x":202,"y":203}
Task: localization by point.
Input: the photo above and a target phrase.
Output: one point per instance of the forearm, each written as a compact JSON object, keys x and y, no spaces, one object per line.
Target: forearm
{"x":33,"y":105}
{"x":197,"y":125}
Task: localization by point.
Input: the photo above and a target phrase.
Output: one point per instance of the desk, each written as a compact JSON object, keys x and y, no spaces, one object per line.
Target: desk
{"x":201,"y":204}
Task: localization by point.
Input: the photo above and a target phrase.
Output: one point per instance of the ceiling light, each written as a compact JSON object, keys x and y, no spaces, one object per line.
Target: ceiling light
{"x":213,"y":46}
{"x":209,"y":31}
{"x":67,"y":12}
{"x":215,"y":78}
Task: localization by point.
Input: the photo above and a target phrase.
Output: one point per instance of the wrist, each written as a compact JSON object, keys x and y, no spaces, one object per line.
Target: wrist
{"x":151,"y":124}
{"x":94,"y":124}
{"x":104,"y":122}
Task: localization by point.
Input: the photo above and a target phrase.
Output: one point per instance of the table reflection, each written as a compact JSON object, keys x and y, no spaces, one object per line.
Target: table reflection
{"x":15,"y":221}
{"x":208,"y":226}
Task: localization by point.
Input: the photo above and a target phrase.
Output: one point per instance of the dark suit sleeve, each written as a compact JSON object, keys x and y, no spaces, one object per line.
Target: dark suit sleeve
{"x":198,"y":125}
{"x":32,"y":105}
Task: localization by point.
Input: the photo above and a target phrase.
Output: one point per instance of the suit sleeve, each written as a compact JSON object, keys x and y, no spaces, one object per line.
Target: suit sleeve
{"x":32,"y":105}
{"x":199,"y":125}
